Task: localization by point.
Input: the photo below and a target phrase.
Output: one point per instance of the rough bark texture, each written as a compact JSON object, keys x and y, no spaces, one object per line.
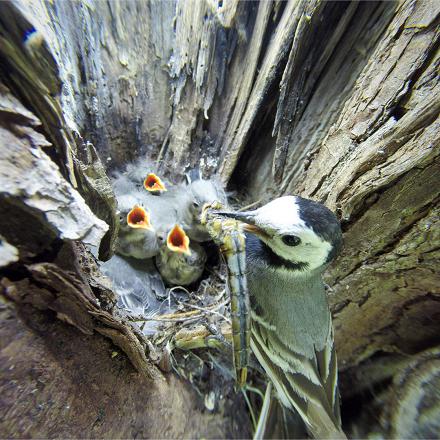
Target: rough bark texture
{"x":57,"y":382}
{"x":335,"y":101}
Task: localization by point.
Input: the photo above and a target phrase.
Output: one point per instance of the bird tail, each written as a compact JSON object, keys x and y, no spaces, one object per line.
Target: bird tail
{"x":321,"y":425}
{"x":299,"y":389}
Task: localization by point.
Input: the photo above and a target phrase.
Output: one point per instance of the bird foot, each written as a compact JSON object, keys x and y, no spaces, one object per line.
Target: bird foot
{"x":216,"y":336}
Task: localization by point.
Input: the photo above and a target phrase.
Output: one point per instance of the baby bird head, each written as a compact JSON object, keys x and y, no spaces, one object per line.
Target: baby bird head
{"x":154,"y":184}
{"x":205,"y":191}
{"x":178,"y":241}
{"x":138,"y":218}
{"x":298,"y":233}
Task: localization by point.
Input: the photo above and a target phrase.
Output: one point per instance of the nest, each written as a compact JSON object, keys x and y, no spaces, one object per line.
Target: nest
{"x":190,"y":334}
{"x":190,"y":331}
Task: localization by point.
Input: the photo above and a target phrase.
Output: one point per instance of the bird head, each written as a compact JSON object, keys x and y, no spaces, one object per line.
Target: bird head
{"x":138,"y":218}
{"x":205,"y":191}
{"x":303,"y":234}
{"x":178,"y":241}
{"x":154,"y":184}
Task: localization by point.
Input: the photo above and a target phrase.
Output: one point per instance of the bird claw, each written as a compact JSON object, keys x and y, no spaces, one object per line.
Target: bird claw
{"x":216,"y":335}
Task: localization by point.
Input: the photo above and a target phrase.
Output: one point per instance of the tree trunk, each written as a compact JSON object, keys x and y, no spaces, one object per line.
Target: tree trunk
{"x":334,"y":101}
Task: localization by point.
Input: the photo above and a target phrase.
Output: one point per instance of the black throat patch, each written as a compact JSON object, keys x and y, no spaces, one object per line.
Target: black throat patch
{"x":256,"y":249}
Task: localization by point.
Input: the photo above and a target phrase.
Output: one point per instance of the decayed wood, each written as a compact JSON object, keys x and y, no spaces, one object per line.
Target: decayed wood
{"x":59,"y":286}
{"x":313,"y":110}
{"x":412,"y":405}
{"x":62,"y":280}
{"x":338,"y":102}
{"x":379,"y":168}
{"x":116,"y":90}
{"x":8,"y":253}
{"x":57,"y":382}
{"x":97,"y":191}
{"x":32,"y":72}
{"x":38,"y":205}
{"x":233,"y":143}
{"x":312,"y":47}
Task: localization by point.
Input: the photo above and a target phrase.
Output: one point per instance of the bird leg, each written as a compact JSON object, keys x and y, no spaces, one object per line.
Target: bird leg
{"x":215,"y":334}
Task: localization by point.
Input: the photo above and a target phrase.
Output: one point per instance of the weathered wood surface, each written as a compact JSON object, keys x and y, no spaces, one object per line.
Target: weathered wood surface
{"x":59,"y":383}
{"x":43,"y":219}
{"x":338,"y":102}
{"x":379,"y":168}
{"x":31,"y":70}
{"x":38,"y":204}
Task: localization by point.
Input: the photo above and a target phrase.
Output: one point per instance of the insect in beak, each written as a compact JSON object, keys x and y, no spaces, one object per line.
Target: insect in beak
{"x":178,"y":241}
{"x":154,"y":184}
{"x":138,"y":218}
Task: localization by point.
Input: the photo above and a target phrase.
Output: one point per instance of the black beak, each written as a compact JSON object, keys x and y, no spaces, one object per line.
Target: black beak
{"x":245,"y":217}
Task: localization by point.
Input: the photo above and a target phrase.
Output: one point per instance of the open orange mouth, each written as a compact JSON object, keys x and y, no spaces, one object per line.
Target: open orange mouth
{"x":178,"y":241}
{"x":139,"y":218}
{"x":153,"y":183}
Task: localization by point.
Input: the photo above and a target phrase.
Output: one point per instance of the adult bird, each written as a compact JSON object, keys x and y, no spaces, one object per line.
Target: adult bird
{"x":289,"y":244}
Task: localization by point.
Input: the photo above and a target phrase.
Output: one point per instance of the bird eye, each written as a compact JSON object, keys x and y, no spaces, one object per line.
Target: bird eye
{"x":195,"y":205}
{"x":291,"y":240}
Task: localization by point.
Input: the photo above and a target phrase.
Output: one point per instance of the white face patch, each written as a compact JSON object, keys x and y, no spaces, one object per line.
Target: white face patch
{"x":281,"y":217}
{"x":280,"y":214}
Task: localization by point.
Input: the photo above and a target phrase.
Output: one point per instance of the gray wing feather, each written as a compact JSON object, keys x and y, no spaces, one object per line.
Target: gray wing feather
{"x":306,"y":384}
{"x":328,"y":367}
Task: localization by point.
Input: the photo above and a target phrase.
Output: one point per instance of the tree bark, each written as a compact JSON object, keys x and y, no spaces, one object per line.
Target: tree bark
{"x":334,"y":101}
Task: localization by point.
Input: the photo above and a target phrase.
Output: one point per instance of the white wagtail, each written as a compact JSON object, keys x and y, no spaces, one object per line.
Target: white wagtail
{"x":291,"y":241}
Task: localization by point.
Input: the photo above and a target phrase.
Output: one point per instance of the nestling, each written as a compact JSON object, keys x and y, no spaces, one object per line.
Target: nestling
{"x":137,"y":237}
{"x":137,"y":282}
{"x":180,"y":262}
{"x":201,"y":192}
{"x":151,"y":211}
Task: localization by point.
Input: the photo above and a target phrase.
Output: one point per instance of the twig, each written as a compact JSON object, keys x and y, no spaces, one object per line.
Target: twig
{"x":251,"y":411}
{"x":212,"y":311}
{"x":183,"y":316}
{"x":176,"y":318}
{"x":251,"y":205}
{"x":200,"y":337}
{"x":181,"y":288}
{"x":262,"y":419}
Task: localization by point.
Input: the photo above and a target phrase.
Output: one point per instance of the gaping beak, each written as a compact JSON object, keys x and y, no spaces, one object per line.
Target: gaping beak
{"x":246,"y":217}
{"x":153,"y":184}
{"x":138,"y":218}
{"x":178,"y":241}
